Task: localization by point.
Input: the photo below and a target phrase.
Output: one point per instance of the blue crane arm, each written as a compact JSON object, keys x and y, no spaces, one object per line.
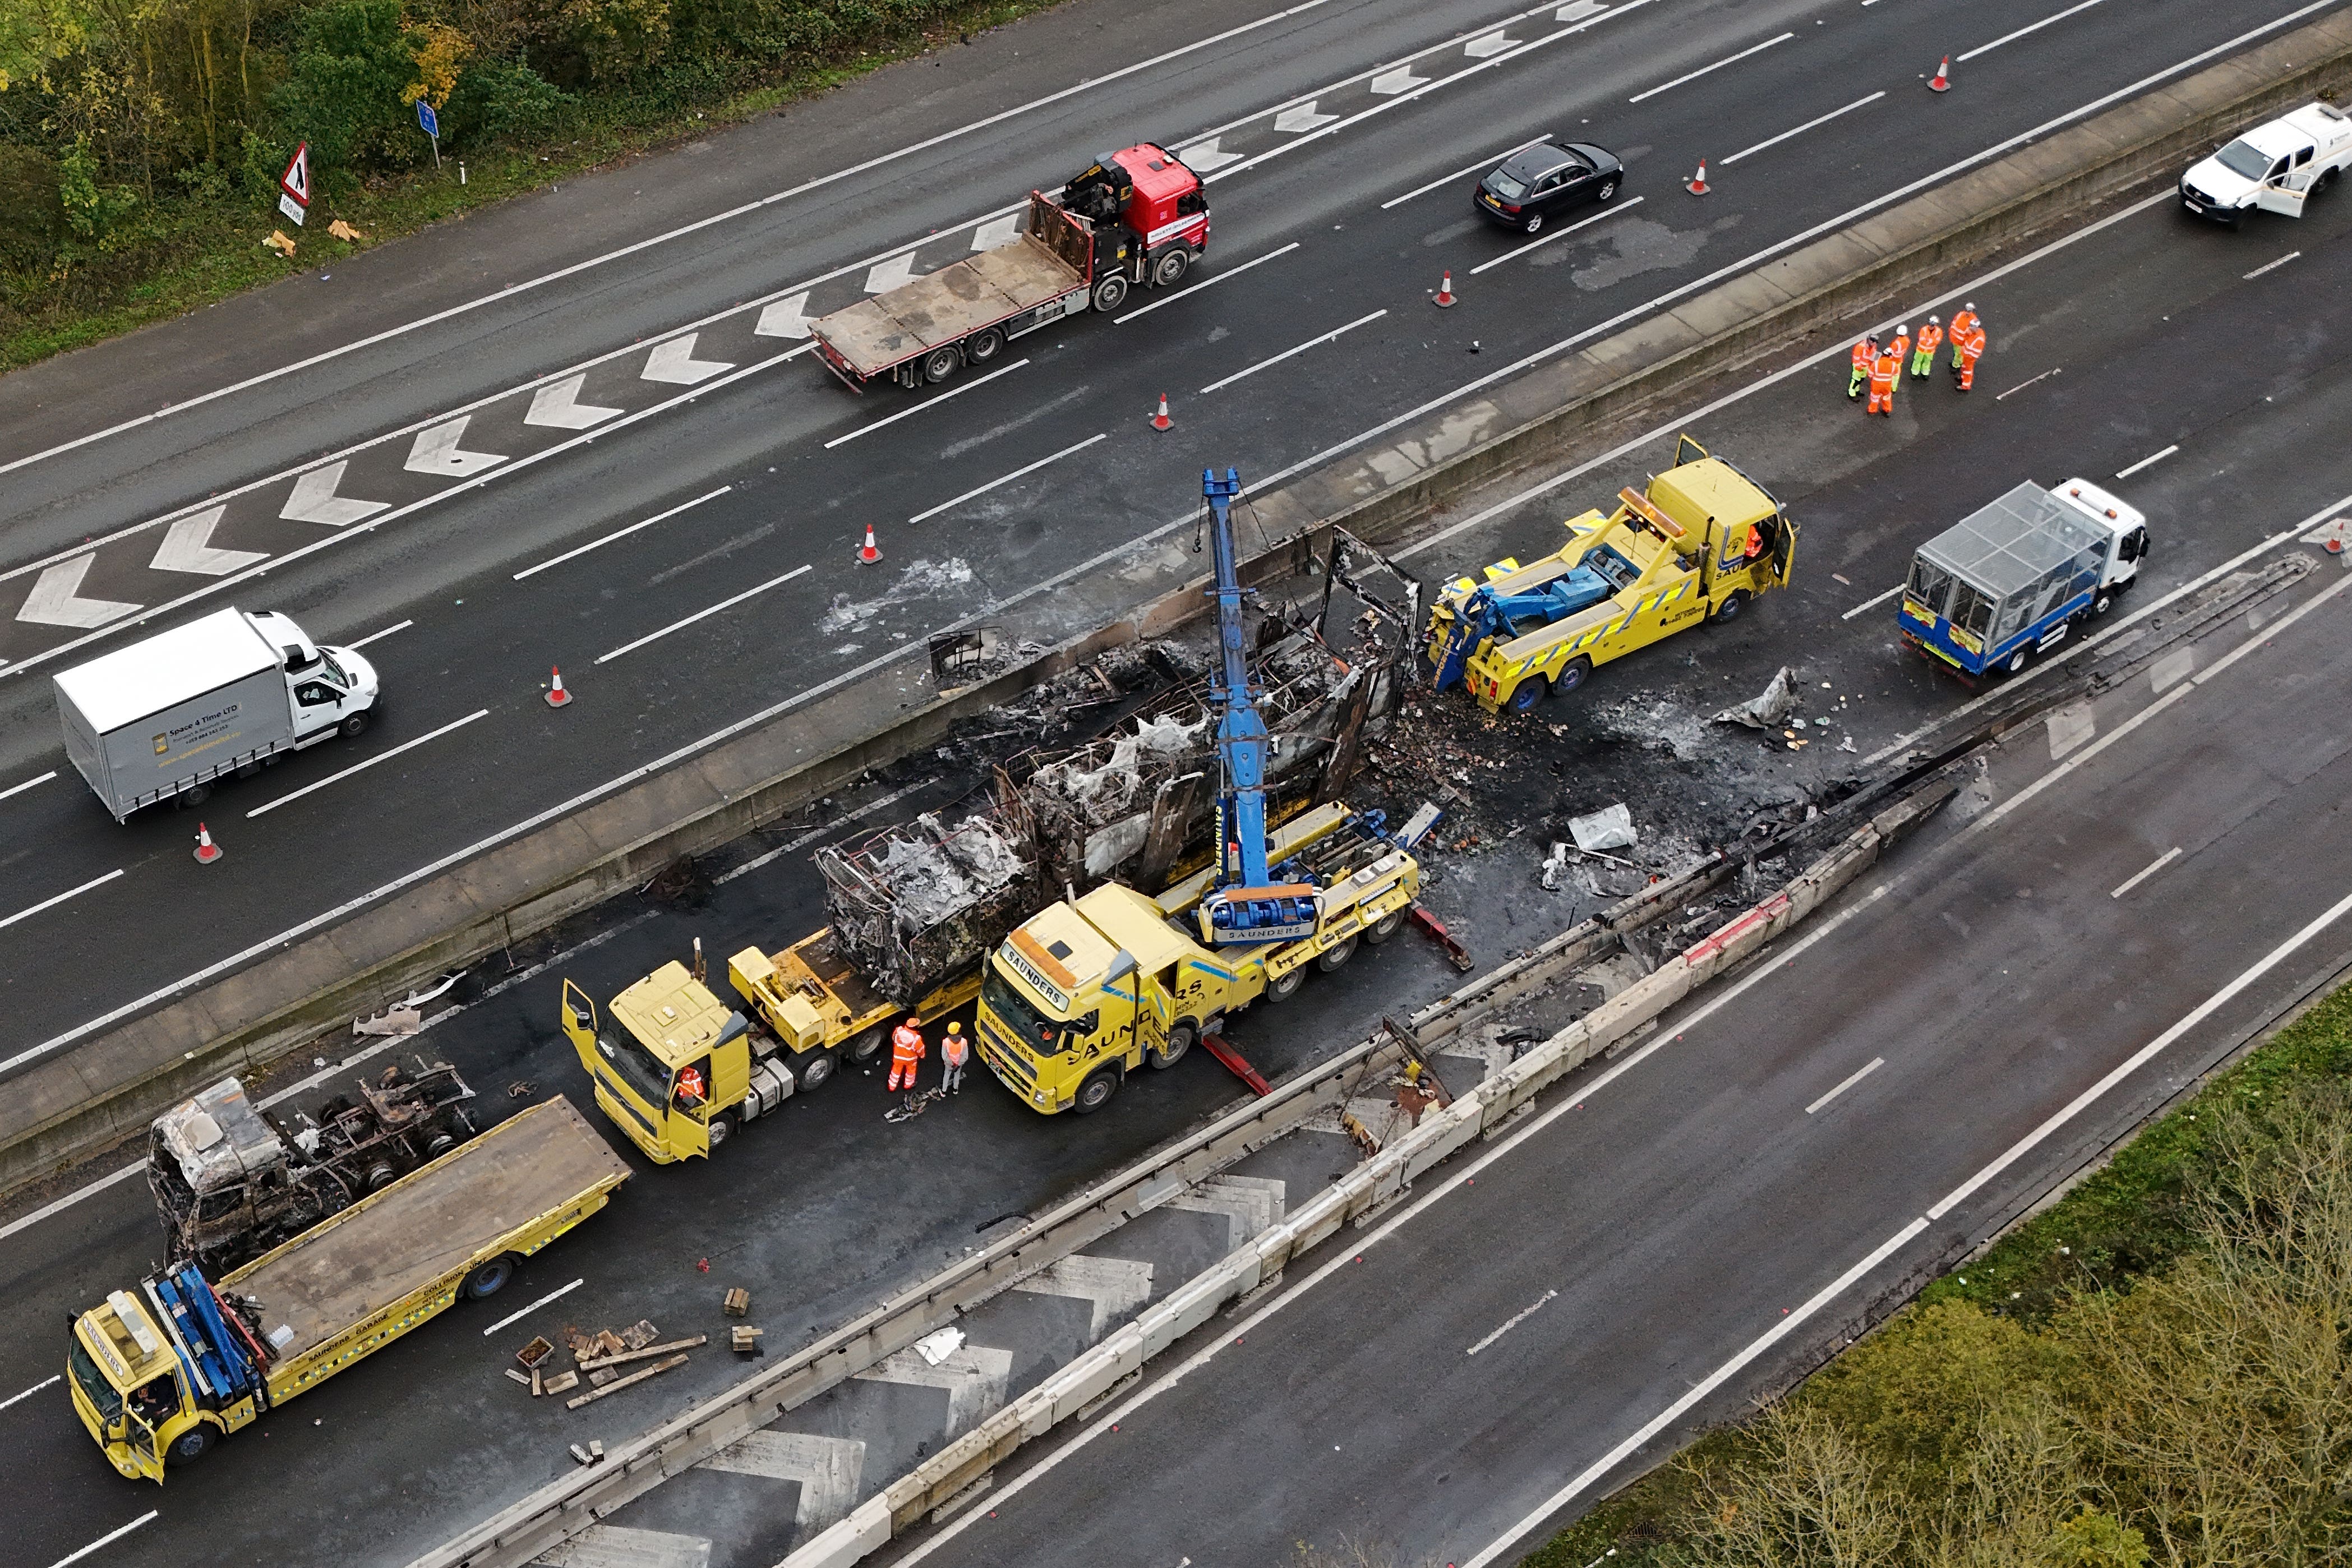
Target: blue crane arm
{"x":1241,"y":728}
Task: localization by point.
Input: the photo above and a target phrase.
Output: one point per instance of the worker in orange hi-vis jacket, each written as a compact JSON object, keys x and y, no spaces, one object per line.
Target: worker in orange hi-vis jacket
{"x":1969,"y":352}
{"x":1863,"y":353}
{"x":1964,"y":327}
{"x":906,"y":1052}
{"x":1902,"y":349}
{"x":1922,"y":352}
{"x":1884,"y":373}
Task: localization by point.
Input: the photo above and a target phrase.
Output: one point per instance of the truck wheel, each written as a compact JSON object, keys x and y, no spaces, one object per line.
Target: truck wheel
{"x":351,"y":726}
{"x":867,"y":1046}
{"x":815,"y":1072}
{"x":722,"y":1128}
{"x":1179,"y":1039}
{"x":1527,"y":694}
{"x":188,"y":1448}
{"x":942,"y":363}
{"x":982,"y":346}
{"x":193,"y":796}
{"x":1729,"y":609}
{"x":1110,"y":293}
{"x":1331,"y":958}
{"x":1572,"y":676}
{"x":1387,"y":926}
{"x":1170,"y":270}
{"x":489,"y":1278}
{"x":1095,"y":1091}
{"x":1283,"y":987}
{"x":2099,"y":605}
{"x":2018,"y":661}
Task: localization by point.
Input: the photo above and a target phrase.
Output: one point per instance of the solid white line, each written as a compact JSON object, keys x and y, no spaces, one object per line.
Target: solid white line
{"x":1558,"y":234}
{"x":698,"y":614}
{"x":2012,"y":37}
{"x":1875,"y":1063}
{"x":1509,"y":1324}
{"x":621,"y":533}
{"x":1807,"y":125}
{"x":2140,"y":1059}
{"x":2147,"y":462}
{"x":1204,"y":283}
{"x":61,"y":898}
{"x":2158,"y":864}
{"x":932,"y":401}
{"x":109,"y":1539}
{"x":631,"y":250}
{"x":1487,"y":163}
{"x":53,"y":1378}
{"x":2267,"y":266}
{"x":1703,"y":71}
{"x":379,"y":636}
{"x":1872,"y":604}
{"x":362,"y":767}
{"x":1330,"y":336}
{"x":814,"y":834}
{"x":1017,"y":473}
{"x":518,"y":1317}
{"x":19,"y":789}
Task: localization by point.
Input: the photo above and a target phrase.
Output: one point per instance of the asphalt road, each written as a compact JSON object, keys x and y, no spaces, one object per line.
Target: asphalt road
{"x":747,"y":599}
{"x":828,"y":1210}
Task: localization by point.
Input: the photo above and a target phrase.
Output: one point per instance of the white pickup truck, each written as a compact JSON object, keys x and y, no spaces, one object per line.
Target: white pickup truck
{"x":2275,"y":167}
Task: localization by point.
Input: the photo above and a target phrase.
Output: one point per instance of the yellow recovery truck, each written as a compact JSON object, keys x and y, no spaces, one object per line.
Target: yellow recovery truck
{"x":161,"y":1371}
{"x":1701,"y":541}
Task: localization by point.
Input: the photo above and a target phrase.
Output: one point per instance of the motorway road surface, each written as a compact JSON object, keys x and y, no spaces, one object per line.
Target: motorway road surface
{"x":427,"y":541}
{"x":827,"y":1211}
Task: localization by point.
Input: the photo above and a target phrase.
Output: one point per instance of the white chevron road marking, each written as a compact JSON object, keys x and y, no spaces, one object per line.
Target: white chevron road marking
{"x":437,"y":451}
{"x":314,"y":500}
{"x":188,"y":547}
{"x":997,"y":232}
{"x":1401,"y":80}
{"x":891,"y":274}
{"x":616,"y":1546}
{"x":827,"y":1469}
{"x":1487,"y":48}
{"x":674,"y":361}
{"x":558,"y":404}
{"x":1203,"y":157}
{"x":784,"y":318}
{"x":1305,"y":117}
{"x":56,"y":599}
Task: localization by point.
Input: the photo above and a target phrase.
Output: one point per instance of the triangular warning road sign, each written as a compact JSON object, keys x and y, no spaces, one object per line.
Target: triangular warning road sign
{"x":296,"y":180}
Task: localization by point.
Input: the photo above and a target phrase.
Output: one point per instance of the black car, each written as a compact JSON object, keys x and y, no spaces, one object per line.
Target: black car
{"x":1538,"y":184}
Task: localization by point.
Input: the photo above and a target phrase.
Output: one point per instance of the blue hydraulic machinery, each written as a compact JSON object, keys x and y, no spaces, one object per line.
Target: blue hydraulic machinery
{"x":1486,"y":614}
{"x":1247,"y":906}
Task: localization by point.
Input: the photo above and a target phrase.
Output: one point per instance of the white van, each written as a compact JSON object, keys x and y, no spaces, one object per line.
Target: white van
{"x":2275,"y":167}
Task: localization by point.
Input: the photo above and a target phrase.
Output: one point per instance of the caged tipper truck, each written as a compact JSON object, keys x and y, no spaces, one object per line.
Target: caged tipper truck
{"x":162,"y":1371}
{"x":1087,"y":990}
{"x":2019,"y":576}
{"x":1701,"y":541}
{"x":1138,"y":217}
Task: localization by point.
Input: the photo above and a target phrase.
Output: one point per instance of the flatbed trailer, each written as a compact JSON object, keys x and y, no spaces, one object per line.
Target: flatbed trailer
{"x":163,"y":1371}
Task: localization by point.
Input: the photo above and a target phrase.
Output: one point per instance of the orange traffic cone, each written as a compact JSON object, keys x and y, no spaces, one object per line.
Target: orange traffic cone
{"x":556,"y":696}
{"x":1161,"y":421}
{"x":1943,"y":80}
{"x":1699,"y":186}
{"x":206,"y":851}
{"x":1444,"y":300}
{"x":868,"y":553}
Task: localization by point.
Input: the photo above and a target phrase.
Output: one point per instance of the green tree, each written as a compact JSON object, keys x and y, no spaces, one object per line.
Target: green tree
{"x":349,"y":70}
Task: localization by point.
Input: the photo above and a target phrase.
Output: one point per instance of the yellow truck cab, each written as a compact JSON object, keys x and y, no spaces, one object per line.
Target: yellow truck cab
{"x":672,"y":1064}
{"x":1082,"y":993}
{"x":1697,"y":544}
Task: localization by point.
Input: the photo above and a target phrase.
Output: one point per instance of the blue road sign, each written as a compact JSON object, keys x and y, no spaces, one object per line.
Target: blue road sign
{"x":427,"y":119}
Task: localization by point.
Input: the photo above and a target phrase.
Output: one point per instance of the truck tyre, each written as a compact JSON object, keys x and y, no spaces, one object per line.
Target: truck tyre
{"x":722,"y":1128}
{"x":942,"y":363}
{"x":1283,"y":987}
{"x":1572,"y":676}
{"x":188,"y":1448}
{"x":1170,"y":268}
{"x":193,"y":796}
{"x":351,"y":726}
{"x":815,"y":1072}
{"x":982,"y":346}
{"x":1527,"y":694}
{"x":1095,"y":1091}
{"x":1110,"y":293}
{"x":1387,"y":926}
{"x":489,"y":1279}
{"x":1729,"y":609}
{"x":1331,"y":958}
{"x":2015,"y":664}
{"x":2107,"y":598}
{"x":867,"y":1046}
{"x":1181,"y":1036}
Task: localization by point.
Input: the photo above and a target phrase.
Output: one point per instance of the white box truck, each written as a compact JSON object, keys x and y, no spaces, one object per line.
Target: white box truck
{"x":173,"y":713}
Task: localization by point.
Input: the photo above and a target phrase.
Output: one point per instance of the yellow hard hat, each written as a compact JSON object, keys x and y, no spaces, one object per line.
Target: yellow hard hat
{"x":954,"y":1027}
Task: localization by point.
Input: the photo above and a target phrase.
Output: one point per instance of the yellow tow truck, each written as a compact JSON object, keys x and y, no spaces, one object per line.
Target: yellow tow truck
{"x":1701,"y":541}
{"x":163,"y":1371}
